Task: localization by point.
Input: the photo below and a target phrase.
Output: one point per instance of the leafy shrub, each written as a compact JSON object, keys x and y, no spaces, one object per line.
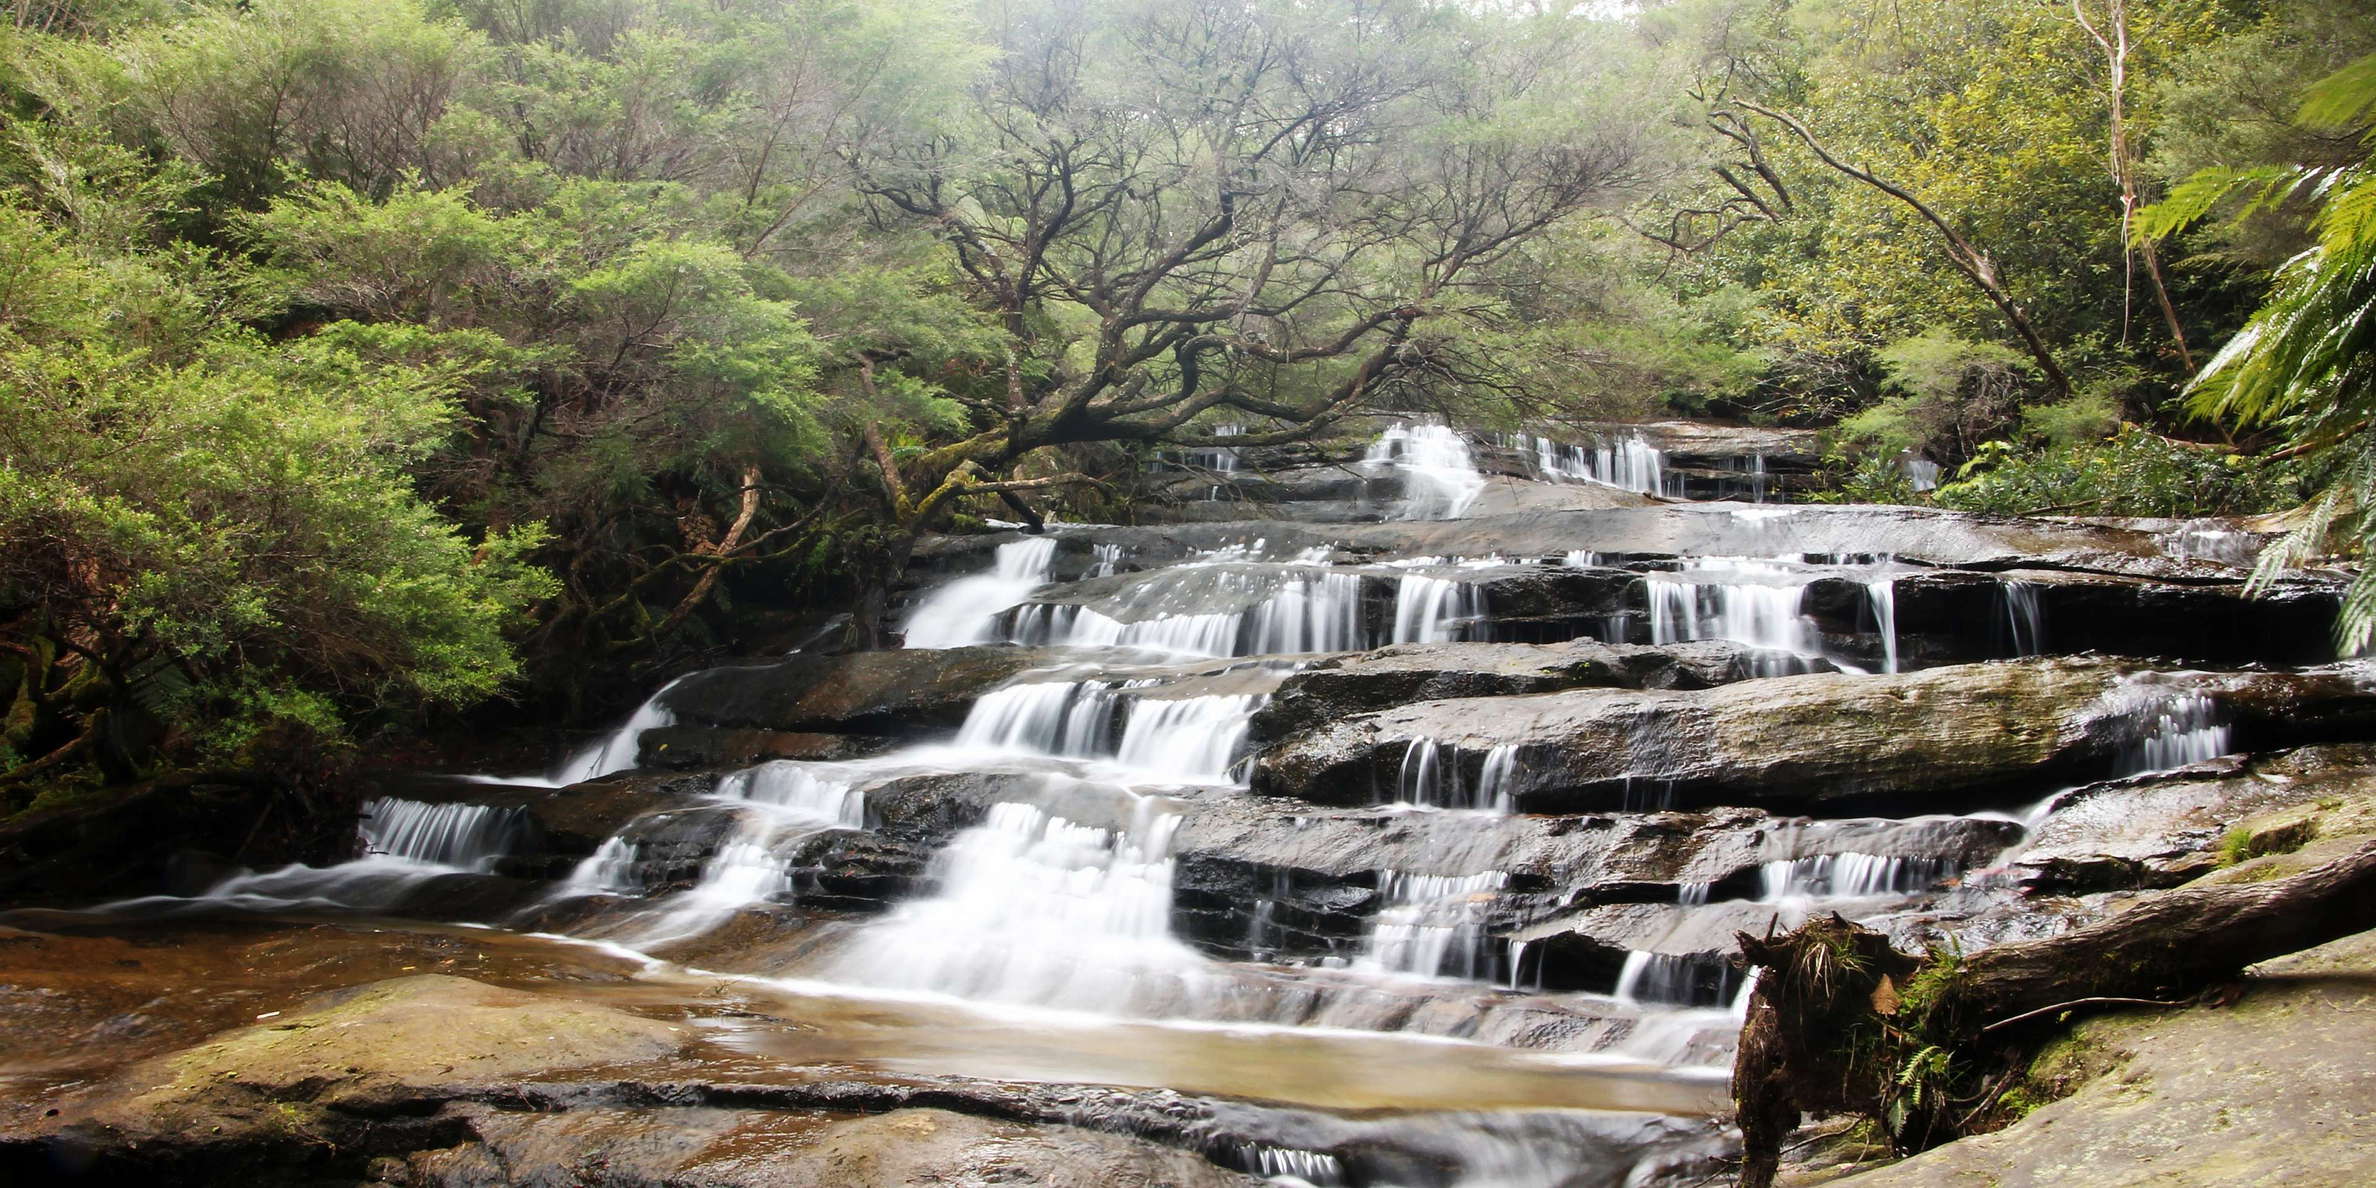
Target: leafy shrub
{"x":2132,"y":473}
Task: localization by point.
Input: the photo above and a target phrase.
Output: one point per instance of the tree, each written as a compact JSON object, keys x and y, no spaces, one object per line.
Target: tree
{"x":2305,"y":364}
{"x":1233,"y":207}
{"x":216,"y":540}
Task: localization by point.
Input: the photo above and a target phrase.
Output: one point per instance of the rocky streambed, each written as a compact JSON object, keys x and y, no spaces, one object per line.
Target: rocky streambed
{"x":1397,"y":832}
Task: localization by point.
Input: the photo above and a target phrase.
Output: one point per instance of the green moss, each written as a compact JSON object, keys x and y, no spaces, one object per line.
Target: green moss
{"x":2245,"y":843}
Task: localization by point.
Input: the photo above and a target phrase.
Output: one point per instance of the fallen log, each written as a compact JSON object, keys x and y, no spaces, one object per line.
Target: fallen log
{"x":1841,"y":1022}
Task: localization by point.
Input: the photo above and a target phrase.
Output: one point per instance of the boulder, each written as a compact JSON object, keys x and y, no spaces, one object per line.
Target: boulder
{"x":901,"y":693}
{"x":1330,"y":689}
{"x":1941,"y":740}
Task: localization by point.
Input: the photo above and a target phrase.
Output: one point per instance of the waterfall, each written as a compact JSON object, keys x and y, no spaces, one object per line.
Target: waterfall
{"x":1048,"y":717}
{"x":1308,"y":612}
{"x":609,"y":870}
{"x":1627,"y":462}
{"x":620,"y":750}
{"x":463,"y":836}
{"x":965,"y":611}
{"x":1921,"y":473}
{"x":2025,"y":620}
{"x":1676,"y":979}
{"x":1738,"y":599}
{"x":1429,"y":777}
{"x":1187,"y":738}
{"x":1105,"y":560}
{"x":1440,"y":477}
{"x":1029,"y":907}
{"x":1287,"y":1165}
{"x":2174,"y":730}
{"x":1757,"y":602}
{"x":1220,"y":459}
{"x":1435,"y":609}
{"x":1432,"y":925}
{"x":777,"y":806}
{"x":1849,"y":876}
{"x":1881,"y":598}
{"x":2210,"y":540}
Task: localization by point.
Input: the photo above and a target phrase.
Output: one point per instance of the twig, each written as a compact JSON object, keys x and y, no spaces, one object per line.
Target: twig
{"x":2080,"y":1002}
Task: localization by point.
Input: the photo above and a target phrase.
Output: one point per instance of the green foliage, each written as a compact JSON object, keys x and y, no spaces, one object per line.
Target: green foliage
{"x":2135,"y":472}
{"x":2305,"y":365}
{"x":246,"y":519}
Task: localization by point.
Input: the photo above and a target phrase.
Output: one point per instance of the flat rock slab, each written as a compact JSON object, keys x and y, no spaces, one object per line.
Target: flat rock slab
{"x":2157,"y":831}
{"x":1925,"y":536}
{"x":807,"y":1149}
{"x":2279,"y":1088}
{"x":1405,"y":673}
{"x":1942,"y":740}
{"x":902,"y":692}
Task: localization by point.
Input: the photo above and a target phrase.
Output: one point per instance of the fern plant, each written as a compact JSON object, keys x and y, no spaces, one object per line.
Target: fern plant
{"x":2305,"y":365}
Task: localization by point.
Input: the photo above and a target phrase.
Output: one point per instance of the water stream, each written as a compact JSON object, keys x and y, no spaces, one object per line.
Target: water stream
{"x":1050,"y":927}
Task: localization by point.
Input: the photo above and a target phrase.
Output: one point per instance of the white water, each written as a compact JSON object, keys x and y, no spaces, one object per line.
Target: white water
{"x":1195,"y":739}
{"x":1432,"y":925}
{"x":1849,"y":876}
{"x":2025,"y":619}
{"x":1029,"y":907}
{"x":1673,"y":979}
{"x":1430,"y":777}
{"x":1440,"y":476}
{"x":1047,"y":717}
{"x":2211,"y":540}
{"x":1436,"y":609}
{"x":1627,"y":462}
{"x":1922,"y":473}
{"x":965,"y":611}
{"x":776,"y":806}
{"x":2175,"y":729}
{"x":405,"y":844}
{"x":1757,"y":602}
{"x":1314,"y":611}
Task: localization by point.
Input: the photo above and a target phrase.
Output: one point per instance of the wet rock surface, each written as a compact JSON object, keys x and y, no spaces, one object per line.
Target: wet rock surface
{"x":1011,"y":914}
{"x":1942,"y":740}
{"x":2272,"y":1089}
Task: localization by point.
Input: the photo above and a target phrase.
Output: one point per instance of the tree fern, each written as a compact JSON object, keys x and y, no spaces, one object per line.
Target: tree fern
{"x":2305,"y":364}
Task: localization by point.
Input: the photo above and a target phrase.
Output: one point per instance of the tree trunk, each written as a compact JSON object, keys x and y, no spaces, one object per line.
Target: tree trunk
{"x":1966,"y":256}
{"x":1835,"y":1010}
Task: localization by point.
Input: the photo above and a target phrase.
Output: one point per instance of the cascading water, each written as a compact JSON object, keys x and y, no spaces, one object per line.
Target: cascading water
{"x":1430,"y":777}
{"x":2024,"y":624}
{"x":1306,"y":612}
{"x":463,"y":836}
{"x":2175,"y":729}
{"x":1849,"y":876}
{"x":1627,"y":462}
{"x":405,"y":843}
{"x":1759,"y":603}
{"x":775,"y":807}
{"x":1435,"y":609}
{"x":1432,"y":925}
{"x":1739,"y":599}
{"x":1677,"y":979}
{"x":1188,"y":738}
{"x":1440,"y":477}
{"x":1921,"y":473}
{"x":1029,"y":907}
{"x":1048,"y":717}
{"x":1079,"y":782}
{"x":966,"y":610}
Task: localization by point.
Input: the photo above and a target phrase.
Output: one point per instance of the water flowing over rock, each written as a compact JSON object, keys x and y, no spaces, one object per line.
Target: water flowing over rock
{"x":1404,"y":838}
{"x":1440,"y":478}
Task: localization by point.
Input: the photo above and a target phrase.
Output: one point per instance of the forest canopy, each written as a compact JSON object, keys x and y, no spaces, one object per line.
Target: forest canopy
{"x":367,"y":360}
